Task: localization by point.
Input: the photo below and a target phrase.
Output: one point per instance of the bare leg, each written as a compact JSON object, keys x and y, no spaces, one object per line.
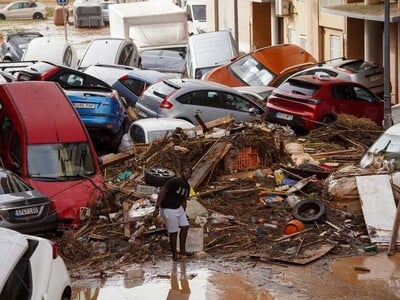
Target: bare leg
{"x":182,"y":239}
{"x":173,"y":236}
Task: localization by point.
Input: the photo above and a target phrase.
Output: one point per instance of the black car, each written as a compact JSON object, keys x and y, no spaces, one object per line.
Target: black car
{"x":24,"y":209}
{"x":17,"y":43}
{"x":65,"y":76}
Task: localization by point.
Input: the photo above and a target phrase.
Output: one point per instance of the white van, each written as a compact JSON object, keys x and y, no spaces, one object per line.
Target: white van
{"x":196,"y":14}
{"x":208,"y":50}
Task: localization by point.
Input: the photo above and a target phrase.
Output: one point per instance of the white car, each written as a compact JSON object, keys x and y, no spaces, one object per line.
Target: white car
{"x":62,"y":52}
{"x":24,"y":10}
{"x":147,"y":130}
{"x":30,"y":268}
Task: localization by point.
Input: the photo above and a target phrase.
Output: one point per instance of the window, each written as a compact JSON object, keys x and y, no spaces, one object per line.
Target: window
{"x":335,"y":47}
{"x":202,"y":98}
{"x":363,"y":94}
{"x":126,"y":55}
{"x":303,"y":41}
{"x":67,"y":59}
{"x":342,"y":92}
{"x":135,"y":86}
{"x":234,"y":102}
{"x":5,"y":129}
{"x":16,"y":151}
{"x":137,"y":134}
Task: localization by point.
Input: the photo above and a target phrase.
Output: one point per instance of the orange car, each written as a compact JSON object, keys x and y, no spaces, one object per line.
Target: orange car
{"x":265,"y":66}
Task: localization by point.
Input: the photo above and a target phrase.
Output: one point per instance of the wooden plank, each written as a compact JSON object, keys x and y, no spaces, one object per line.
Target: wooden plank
{"x":224,"y":121}
{"x":378,"y":206}
{"x":207,"y":163}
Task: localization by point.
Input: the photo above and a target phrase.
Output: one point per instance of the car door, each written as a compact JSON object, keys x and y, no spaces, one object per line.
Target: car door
{"x":200,"y":102}
{"x":211,"y":105}
{"x":368,"y":105}
{"x":17,"y":10}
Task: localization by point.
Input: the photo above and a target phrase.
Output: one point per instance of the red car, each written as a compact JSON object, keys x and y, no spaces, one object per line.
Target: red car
{"x":304,"y":102}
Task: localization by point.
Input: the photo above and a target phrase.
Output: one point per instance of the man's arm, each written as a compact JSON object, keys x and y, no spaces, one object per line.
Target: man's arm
{"x":160,"y":199}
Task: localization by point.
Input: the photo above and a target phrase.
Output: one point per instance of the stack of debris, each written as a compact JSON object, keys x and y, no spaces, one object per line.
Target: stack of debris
{"x":257,"y":200}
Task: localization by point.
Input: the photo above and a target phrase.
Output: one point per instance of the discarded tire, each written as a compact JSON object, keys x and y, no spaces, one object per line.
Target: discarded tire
{"x":309,"y":210}
{"x":156,"y":176}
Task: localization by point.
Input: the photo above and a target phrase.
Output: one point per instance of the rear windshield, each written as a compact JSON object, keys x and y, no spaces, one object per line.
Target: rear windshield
{"x":10,"y":183}
{"x":299,"y":87}
{"x":161,"y":89}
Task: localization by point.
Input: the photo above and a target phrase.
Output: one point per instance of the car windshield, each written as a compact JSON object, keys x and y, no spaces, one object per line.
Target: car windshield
{"x":388,"y":147}
{"x":251,"y":71}
{"x":10,"y":183}
{"x":60,"y":161}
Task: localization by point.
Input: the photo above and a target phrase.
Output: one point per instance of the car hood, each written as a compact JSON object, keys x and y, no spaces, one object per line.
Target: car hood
{"x":70,"y":196}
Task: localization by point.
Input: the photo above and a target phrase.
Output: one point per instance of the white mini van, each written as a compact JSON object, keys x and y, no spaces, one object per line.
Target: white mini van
{"x":208,"y":50}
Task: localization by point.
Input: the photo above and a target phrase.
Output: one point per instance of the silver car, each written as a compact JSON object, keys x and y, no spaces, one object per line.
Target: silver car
{"x":186,"y":98}
{"x":364,"y":72}
{"x":24,"y":10}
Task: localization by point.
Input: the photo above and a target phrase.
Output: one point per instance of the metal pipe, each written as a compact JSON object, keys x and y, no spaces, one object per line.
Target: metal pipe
{"x":387,"y":120}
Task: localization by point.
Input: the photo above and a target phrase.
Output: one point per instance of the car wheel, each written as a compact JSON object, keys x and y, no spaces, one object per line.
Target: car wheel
{"x":309,"y":210}
{"x":38,"y":16}
{"x":2,"y":17}
{"x":156,"y":176}
{"x":328,"y":119}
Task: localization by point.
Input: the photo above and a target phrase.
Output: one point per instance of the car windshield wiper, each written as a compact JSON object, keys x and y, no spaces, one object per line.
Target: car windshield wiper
{"x":47,"y":178}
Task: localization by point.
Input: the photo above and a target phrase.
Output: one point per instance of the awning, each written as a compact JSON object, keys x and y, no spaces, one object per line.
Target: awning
{"x":375,"y":12}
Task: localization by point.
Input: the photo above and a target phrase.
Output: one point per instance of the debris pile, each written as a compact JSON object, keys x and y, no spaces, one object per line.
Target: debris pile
{"x":245,"y":198}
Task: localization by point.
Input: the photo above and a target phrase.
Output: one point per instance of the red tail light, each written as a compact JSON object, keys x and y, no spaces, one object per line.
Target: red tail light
{"x":166,"y":104}
{"x":123,"y":77}
{"x":55,"y":250}
{"x":47,"y":74}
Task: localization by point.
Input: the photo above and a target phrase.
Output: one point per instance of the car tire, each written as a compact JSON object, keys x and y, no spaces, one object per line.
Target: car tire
{"x":157,"y":176}
{"x":309,"y":210}
{"x":38,"y":16}
{"x":328,"y":119}
{"x":2,"y":17}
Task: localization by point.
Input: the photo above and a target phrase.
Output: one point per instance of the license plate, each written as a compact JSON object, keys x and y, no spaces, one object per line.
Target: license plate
{"x":283,"y":116}
{"x":26,"y":211}
{"x":84,"y":105}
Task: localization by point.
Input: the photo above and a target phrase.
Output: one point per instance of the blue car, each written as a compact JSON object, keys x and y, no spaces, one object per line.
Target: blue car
{"x":103,"y":114}
{"x":128,"y":81}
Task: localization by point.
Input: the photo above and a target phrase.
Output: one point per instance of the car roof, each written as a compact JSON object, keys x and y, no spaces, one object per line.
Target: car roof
{"x":152,"y":124}
{"x":12,"y":246}
{"x":198,"y":83}
{"x":393,"y":130}
{"x":67,"y":123}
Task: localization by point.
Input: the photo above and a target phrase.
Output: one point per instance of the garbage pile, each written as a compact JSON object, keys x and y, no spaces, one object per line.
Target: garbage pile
{"x":258,"y":193}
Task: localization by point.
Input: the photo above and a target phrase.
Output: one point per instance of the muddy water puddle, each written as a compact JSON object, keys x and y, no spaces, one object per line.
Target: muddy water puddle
{"x":364,"y":277}
{"x":178,"y":281}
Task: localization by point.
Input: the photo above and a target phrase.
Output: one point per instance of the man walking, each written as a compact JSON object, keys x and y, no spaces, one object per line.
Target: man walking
{"x":171,"y":203}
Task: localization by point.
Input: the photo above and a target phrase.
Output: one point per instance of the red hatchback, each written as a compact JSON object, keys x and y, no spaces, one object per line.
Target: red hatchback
{"x":304,"y":102}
